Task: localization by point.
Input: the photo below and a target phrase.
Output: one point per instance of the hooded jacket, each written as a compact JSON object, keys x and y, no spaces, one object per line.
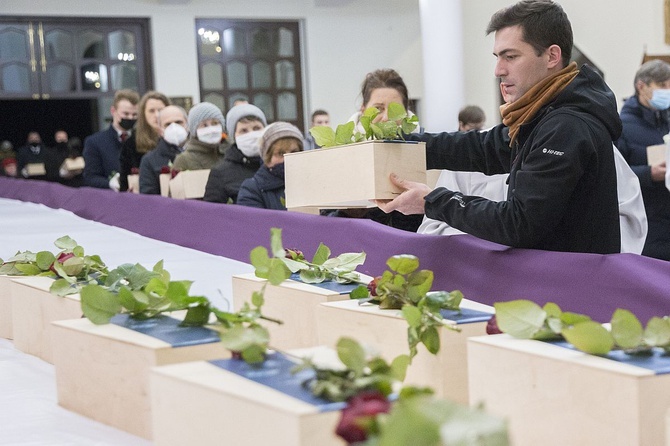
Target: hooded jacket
{"x":643,"y":127}
{"x":264,"y":190}
{"x":199,"y":155}
{"x":562,"y":193}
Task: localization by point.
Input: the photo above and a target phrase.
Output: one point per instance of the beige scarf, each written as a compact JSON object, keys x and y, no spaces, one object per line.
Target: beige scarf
{"x":523,"y":109}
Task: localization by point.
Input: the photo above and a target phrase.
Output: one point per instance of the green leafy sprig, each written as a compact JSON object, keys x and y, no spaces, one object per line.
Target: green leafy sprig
{"x":71,"y":267}
{"x":142,"y":294}
{"x":527,"y":320}
{"x":399,"y":124}
{"x":358,"y":374}
{"x":407,"y":288}
{"x":321,"y":268}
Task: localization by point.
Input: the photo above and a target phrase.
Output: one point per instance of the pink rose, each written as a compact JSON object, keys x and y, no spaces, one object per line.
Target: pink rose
{"x":62,"y":257}
{"x":492,"y":326}
{"x":359,"y":414}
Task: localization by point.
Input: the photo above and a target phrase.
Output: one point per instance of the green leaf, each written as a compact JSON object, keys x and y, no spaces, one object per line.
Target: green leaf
{"x":240,"y":338}
{"x":627,"y":330}
{"x":396,"y":112}
{"x":196,"y":316}
{"x":377,"y":131}
{"x":73,"y":266}
{"x":657,"y":333}
{"x":360,"y":292}
{"x":156,"y":286}
{"x":412,"y":315}
{"x":257,"y":299}
{"x":278,"y":271}
{"x":344,"y":133}
{"x":9,"y":269}
{"x":65,"y":243}
{"x":324,"y":136}
{"x":552,"y":309}
{"x":254,"y":354}
{"x":519,"y":318}
{"x":569,"y":318}
{"x":321,"y":255}
{"x":28,"y":269}
{"x":351,"y":354}
{"x":128,"y":300}
{"x":294,"y":265}
{"x":403,"y":264}
{"x":276,"y":244}
{"x":261,"y":261}
{"x":62,"y":287}
{"x":399,"y":367}
{"x":44,"y":260}
{"x":312,"y":275}
{"x":590,"y":337}
{"x":408,"y":126}
{"x":365,"y":122}
{"x":98,"y":304}
{"x":431,"y":339}
{"x":78,"y":251}
{"x":177,"y":292}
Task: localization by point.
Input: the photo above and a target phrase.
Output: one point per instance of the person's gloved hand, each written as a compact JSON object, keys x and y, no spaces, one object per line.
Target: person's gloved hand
{"x":114,"y":182}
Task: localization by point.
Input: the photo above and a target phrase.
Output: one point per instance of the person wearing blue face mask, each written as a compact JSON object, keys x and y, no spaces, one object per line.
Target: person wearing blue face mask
{"x":646,"y":119}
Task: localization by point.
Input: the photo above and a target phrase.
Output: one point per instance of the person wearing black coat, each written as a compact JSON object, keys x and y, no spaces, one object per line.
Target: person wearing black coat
{"x":646,"y":119}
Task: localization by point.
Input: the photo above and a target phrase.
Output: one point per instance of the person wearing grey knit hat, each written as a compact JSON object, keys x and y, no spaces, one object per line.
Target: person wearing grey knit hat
{"x":240,"y":112}
{"x":266,"y":188}
{"x":204,"y":148}
{"x":273,"y":133}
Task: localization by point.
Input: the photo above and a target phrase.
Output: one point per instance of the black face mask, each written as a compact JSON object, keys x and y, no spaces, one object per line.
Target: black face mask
{"x":127,"y":124}
{"x":277,"y":170}
{"x":61,"y":146}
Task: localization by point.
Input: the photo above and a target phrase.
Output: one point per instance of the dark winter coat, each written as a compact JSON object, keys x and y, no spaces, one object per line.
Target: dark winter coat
{"x":562,"y":193}
{"x":226,"y":177}
{"x":102,"y":151}
{"x":152,"y":163}
{"x":265,"y":189}
{"x":643,"y":127}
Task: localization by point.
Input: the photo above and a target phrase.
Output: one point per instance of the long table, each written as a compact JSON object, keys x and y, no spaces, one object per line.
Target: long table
{"x":486,"y":272}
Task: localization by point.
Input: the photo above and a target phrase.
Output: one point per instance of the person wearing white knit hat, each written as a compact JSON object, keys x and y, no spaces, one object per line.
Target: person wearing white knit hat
{"x":206,"y":145}
{"x":244,"y":123}
{"x":266,"y":188}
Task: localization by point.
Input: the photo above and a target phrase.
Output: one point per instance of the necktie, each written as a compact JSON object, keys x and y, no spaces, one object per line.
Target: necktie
{"x":124,"y":136}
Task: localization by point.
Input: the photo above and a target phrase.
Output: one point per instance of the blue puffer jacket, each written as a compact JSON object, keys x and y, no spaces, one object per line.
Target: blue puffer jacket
{"x":643,"y":127}
{"x":265,"y":189}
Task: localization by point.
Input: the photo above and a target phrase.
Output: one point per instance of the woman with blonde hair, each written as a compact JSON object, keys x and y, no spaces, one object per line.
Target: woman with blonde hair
{"x":145,"y":135}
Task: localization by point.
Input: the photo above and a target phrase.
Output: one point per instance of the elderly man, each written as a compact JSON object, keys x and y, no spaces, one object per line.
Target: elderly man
{"x":555,"y":142}
{"x":102,"y":150}
{"x":173,"y":123}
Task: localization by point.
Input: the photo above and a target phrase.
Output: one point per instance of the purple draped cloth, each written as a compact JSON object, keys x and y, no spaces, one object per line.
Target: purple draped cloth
{"x":485,"y":272}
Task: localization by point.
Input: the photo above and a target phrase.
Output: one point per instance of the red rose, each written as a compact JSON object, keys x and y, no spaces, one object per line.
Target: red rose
{"x":372,"y":286}
{"x":359,"y":414}
{"x":294,"y":254}
{"x":492,"y":326}
{"x":174,"y":172}
{"x":165,"y":169}
{"x":136,"y":171}
{"x":62,"y":257}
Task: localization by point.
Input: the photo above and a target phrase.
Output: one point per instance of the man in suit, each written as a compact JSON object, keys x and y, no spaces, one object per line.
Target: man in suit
{"x":102,"y":150}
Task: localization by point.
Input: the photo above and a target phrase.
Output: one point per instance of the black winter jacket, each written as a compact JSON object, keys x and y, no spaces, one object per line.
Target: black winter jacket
{"x":643,"y":127}
{"x":562,"y":193}
{"x":264,"y":190}
{"x":226,"y":177}
{"x":152,"y":163}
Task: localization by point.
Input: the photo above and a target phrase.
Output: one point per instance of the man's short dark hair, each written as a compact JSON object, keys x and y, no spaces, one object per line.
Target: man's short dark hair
{"x":318,"y":112}
{"x":471,"y":114}
{"x":543,"y":22}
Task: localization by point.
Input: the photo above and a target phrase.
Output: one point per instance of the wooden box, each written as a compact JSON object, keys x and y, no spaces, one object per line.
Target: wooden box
{"x":200,"y":403}
{"x":35,"y":169}
{"x":6,"y":330}
{"x":386,"y":332}
{"x":164,"y":181}
{"x":551,"y":392}
{"x":134,"y":183}
{"x":189,"y":184}
{"x":351,"y":175}
{"x":292,"y":302}
{"x":33,"y":310}
{"x":102,"y":371}
{"x":73,"y":164}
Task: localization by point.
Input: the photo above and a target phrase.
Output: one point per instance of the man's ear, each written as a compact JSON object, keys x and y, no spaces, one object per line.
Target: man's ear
{"x":555,"y":56}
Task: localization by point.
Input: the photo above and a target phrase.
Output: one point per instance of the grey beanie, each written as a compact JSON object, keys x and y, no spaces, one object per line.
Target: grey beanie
{"x":277,"y":131}
{"x":238,"y":112}
{"x":202,"y":112}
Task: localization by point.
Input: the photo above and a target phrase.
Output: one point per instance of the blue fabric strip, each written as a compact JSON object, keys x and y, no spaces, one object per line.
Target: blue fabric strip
{"x":331,"y":285}
{"x":275,"y":372}
{"x":168,"y":330}
{"x":658,"y":362}
{"x":466,"y":316}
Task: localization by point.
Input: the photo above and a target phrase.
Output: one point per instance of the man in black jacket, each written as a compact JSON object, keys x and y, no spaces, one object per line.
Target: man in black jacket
{"x":555,"y":142}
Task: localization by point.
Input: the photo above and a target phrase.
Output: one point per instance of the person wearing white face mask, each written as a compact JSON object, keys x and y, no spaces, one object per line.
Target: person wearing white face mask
{"x":207,"y":143}
{"x":646,"y":118}
{"x":244,"y":125}
{"x":173,"y":124}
